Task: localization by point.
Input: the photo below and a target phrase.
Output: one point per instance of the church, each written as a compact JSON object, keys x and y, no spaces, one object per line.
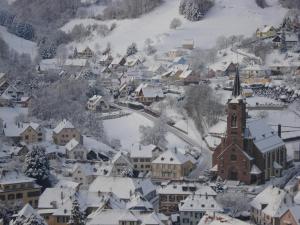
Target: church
{"x":250,"y":151}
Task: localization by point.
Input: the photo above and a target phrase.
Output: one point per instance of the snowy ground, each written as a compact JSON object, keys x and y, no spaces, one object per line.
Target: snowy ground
{"x":18,"y":44}
{"x":127,"y":130}
{"x":244,"y":14}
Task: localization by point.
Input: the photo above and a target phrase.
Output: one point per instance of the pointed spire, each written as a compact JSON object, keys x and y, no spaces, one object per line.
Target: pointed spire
{"x":237,"y":85}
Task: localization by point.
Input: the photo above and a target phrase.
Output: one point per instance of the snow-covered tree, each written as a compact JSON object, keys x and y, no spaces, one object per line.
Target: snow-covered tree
{"x":195,"y":10}
{"x":175,"y":23}
{"x":77,"y":216}
{"x":34,"y":220}
{"x":283,"y":47}
{"x":36,"y":164}
{"x":236,"y":202}
{"x":155,"y":135}
{"x":132,"y":49}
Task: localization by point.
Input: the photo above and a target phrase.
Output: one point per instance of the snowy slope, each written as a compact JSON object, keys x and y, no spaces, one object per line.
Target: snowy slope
{"x":18,"y":44}
{"x":227,"y":17}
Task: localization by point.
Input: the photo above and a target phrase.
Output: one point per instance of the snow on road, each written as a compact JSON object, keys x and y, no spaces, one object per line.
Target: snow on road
{"x":226,"y":18}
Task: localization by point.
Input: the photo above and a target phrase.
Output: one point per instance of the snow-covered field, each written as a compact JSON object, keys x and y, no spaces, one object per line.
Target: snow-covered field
{"x":227,"y":17}
{"x":18,"y":44}
{"x":127,"y":130}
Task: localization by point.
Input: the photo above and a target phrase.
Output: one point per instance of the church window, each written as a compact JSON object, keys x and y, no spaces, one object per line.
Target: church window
{"x":233,"y":157}
{"x":233,"y":120}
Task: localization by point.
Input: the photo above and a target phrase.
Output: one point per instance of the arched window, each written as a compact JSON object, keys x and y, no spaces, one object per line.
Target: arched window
{"x":233,"y":120}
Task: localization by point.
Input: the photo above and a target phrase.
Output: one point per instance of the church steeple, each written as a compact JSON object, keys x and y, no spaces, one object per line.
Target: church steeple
{"x":237,"y":85}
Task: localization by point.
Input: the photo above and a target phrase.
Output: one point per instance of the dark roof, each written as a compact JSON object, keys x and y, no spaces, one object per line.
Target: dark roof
{"x":237,"y":84}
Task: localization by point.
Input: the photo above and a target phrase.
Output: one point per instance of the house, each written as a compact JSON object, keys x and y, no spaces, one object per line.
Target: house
{"x":142,"y":156}
{"x":291,"y":216}
{"x":271,"y":205}
{"x":117,"y":62}
{"x":170,"y":195}
{"x":172,"y":165}
{"x":218,"y":219}
{"x":250,"y":152}
{"x":19,"y":151}
{"x":126,"y":217}
{"x":291,"y":40}
{"x":188,"y":44}
{"x":97,"y":104}
{"x":10,"y":96}
{"x":25,"y":214}
{"x":194,"y":207}
{"x":25,"y":101}
{"x":266,"y":32}
{"x":124,"y":187}
{"x":84,"y":53}
{"x":176,"y":52}
{"x":105,"y":60}
{"x":75,"y":150}
{"x":32,"y":133}
{"x":85,"y":174}
{"x":3,"y":82}
{"x":148,"y":94}
{"x":121,"y":164}
{"x":17,"y":190}
{"x":75,"y":64}
{"x":65,"y":132}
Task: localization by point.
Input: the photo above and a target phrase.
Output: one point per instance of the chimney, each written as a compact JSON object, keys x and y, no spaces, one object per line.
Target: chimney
{"x":279,"y":130}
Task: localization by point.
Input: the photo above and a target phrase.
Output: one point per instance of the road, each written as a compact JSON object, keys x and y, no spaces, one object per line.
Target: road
{"x":206,"y":154}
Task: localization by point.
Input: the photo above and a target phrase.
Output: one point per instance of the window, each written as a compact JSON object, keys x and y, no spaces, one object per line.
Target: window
{"x":11,"y":197}
{"x":2,"y":197}
{"x":33,"y":194}
{"x":172,"y":198}
{"x":19,"y":195}
{"x":26,"y":137}
{"x":233,"y":157}
{"x":234,"y":120}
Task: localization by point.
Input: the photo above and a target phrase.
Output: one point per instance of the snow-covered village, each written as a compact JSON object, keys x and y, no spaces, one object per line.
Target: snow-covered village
{"x":149,"y":112}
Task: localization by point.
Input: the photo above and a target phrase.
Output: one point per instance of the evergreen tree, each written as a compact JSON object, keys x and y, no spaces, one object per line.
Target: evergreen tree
{"x":34,"y":220}
{"x":283,"y":47}
{"x":77,"y":216}
{"x":37,"y":164}
{"x":132,"y":49}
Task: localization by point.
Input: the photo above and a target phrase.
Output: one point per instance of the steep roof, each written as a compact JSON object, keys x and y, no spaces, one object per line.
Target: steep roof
{"x":123,"y":187}
{"x":142,"y":151}
{"x":65,"y":124}
{"x":199,"y":203}
{"x":276,"y":201}
{"x":172,"y":157}
{"x":264,"y":138}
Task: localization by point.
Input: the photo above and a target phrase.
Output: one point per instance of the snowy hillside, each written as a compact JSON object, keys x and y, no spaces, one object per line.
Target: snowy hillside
{"x":226,"y":18}
{"x":18,"y":44}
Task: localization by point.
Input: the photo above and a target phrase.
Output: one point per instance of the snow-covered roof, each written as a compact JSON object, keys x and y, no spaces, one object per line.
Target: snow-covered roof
{"x":185,"y":74}
{"x":123,"y":187}
{"x":274,"y":200}
{"x":65,"y":124}
{"x":264,"y":138}
{"x":152,"y":92}
{"x":255,"y":170}
{"x":205,"y":190}
{"x":137,"y":202}
{"x":12,"y":177}
{"x":220,"y":219}
{"x":199,"y":203}
{"x":172,"y":157}
{"x":76,"y":62}
{"x":73,"y":143}
{"x":142,"y":151}
{"x":175,"y":188}
{"x":33,"y":125}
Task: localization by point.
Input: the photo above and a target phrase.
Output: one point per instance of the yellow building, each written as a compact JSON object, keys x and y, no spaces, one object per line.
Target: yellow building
{"x":65,"y":132}
{"x":172,"y":165}
{"x":17,"y":190}
{"x":266,"y":31}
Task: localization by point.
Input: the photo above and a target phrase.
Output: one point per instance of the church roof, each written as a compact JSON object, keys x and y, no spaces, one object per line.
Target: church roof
{"x":237,"y":84}
{"x":264,"y":138}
